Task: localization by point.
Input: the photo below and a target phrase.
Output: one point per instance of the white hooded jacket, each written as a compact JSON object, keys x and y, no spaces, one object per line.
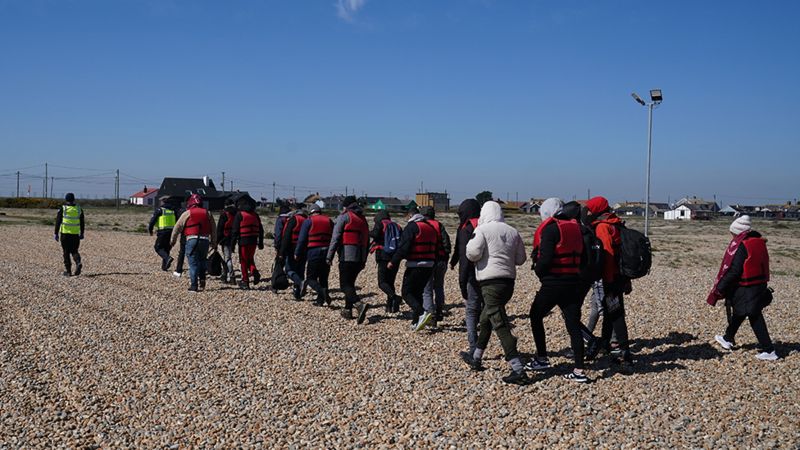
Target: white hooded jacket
{"x":497,"y":248}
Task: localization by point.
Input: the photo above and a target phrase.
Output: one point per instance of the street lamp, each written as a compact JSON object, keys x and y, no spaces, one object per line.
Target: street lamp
{"x":655,"y":99}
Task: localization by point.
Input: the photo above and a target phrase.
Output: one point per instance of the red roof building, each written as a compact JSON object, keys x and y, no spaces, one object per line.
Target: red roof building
{"x":145,"y":197}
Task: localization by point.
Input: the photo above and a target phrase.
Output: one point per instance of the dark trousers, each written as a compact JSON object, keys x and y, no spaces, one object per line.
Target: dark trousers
{"x":181,"y":254}
{"x":162,"y":244}
{"x":386,"y":280}
{"x":758,"y":324}
{"x":317,"y":271}
{"x":348,"y":273}
{"x":496,"y":294}
{"x":69,"y":246}
{"x":614,"y":321}
{"x":295,"y":269}
{"x":569,"y":299}
{"x":414,"y":281}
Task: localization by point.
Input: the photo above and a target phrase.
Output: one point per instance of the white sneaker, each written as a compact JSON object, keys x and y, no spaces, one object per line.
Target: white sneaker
{"x":764,"y":356}
{"x":723,"y":343}
{"x":423,"y":320}
{"x":177,"y":274}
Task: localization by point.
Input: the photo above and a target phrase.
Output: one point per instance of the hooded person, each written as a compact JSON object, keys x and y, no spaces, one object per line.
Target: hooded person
{"x":226,"y":240}
{"x":163,"y":220}
{"x":248,"y":232}
{"x":742,"y":281}
{"x":496,"y":249}
{"x":468,"y":213}
{"x":383,"y":223}
{"x":606,"y":227}
{"x":69,"y":227}
{"x":557,"y":252}
{"x":312,"y":247}
{"x":295,"y":268}
{"x":196,"y":225}
{"x":433,"y":295}
{"x":350,"y":241}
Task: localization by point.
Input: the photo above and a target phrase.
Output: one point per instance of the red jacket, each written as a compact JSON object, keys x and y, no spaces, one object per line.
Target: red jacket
{"x":605,"y":227}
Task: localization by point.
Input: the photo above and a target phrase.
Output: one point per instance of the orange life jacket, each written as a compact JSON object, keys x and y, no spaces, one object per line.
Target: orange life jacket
{"x":249,"y":224}
{"x":440,"y":254}
{"x":567,"y":258}
{"x":296,"y":230}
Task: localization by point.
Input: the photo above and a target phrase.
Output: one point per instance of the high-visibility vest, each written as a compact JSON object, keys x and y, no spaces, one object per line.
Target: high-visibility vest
{"x":70,"y":219}
{"x":166,"y":221}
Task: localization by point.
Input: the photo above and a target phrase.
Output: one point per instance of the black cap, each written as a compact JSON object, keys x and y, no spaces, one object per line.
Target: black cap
{"x":70,"y":197}
{"x":429,"y":212}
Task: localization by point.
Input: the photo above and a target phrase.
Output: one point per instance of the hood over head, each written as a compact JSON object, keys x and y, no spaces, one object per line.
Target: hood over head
{"x":468,"y":209}
{"x":349,"y":200}
{"x":69,"y":198}
{"x":550,"y":207}
{"x":491,"y":212}
{"x":314,"y":209}
{"x":571,"y":211}
{"x":381,"y":215}
{"x":597,"y":205}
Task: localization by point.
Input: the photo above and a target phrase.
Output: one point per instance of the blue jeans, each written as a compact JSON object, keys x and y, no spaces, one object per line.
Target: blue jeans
{"x":474,"y":305}
{"x":196,"y":251}
{"x":435,"y":289}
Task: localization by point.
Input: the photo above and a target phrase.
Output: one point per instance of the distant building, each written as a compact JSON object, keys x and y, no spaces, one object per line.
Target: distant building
{"x":440,"y":201}
{"x":384,"y":203}
{"x":690,"y":212}
{"x":638,"y":208}
{"x":703,"y":205}
{"x":179,"y":189}
{"x":145,"y":197}
{"x":333,"y":202}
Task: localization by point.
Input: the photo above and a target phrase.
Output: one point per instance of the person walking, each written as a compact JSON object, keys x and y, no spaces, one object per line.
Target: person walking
{"x":248,"y":233}
{"x":557,"y":252}
{"x":350,"y":241}
{"x":196,"y":224}
{"x":226,"y":241}
{"x":742,"y":281}
{"x":163,"y":220}
{"x":433,"y":295}
{"x":418,"y":245}
{"x":70,"y":226}
{"x":496,"y":249}
{"x":312,"y":247}
{"x":279,"y":281}
{"x":295,"y":268}
{"x":468,"y":213}
{"x":615,"y":286}
{"x":383,"y":225}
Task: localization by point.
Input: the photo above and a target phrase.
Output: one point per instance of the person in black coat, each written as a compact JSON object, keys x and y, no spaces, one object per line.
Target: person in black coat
{"x":468,"y":213}
{"x":386,"y":276}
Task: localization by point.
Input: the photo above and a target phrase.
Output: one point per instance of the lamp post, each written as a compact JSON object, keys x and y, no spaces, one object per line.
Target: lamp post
{"x":655,"y":99}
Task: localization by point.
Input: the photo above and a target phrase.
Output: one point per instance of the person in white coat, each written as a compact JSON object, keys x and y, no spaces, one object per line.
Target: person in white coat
{"x":496,"y":249}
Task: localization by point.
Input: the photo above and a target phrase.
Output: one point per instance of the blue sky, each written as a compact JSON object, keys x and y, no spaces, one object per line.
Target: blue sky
{"x":527,"y":98}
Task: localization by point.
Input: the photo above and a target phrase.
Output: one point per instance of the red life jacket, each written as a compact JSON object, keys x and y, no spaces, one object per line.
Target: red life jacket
{"x":567,"y":258}
{"x":356,"y":230}
{"x":249,"y":225}
{"x":228,"y":225}
{"x":319,"y":235}
{"x":440,"y":254}
{"x":473,"y":222}
{"x":296,"y":230}
{"x":425,"y":242}
{"x":197,"y":224}
{"x":756,"y":266}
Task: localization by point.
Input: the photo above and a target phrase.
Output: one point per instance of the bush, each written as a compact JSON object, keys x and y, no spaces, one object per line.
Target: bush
{"x":142,"y":228}
{"x":27,"y":202}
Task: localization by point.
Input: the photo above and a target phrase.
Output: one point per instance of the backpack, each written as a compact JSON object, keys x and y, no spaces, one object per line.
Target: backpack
{"x":215,"y":264}
{"x":391,"y":238}
{"x":591,"y":268}
{"x":279,"y":279}
{"x":635,"y":256}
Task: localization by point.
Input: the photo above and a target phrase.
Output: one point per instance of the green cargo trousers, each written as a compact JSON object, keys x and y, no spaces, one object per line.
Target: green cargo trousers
{"x":496,"y":293}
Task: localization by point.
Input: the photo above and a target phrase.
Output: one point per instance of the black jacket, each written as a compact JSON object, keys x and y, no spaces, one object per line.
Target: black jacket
{"x":744,"y":300}
{"x":223,"y":218}
{"x":469,"y":209}
{"x":286,"y":248}
{"x":376,"y":233}
{"x":406,"y":240}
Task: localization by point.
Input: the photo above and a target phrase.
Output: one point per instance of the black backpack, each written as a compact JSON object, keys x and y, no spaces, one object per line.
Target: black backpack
{"x":591,"y":268}
{"x":215,"y":264}
{"x":635,"y":256}
{"x":279,"y":279}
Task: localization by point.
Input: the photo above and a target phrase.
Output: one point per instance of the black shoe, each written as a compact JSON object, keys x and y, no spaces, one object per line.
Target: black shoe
{"x":303,"y":288}
{"x":244,"y":285}
{"x":67,"y":273}
{"x":347,"y":313}
{"x":319,"y":301}
{"x":163,"y":265}
{"x":592,"y":349}
{"x":396,"y":304}
{"x":256,"y":277}
{"x":327,"y":296}
{"x":78,"y":268}
{"x":169,"y":263}
{"x":439,"y":317}
{"x":192,"y":288}
{"x":520,"y":378}
{"x":203,"y":284}
{"x":474,"y":364}
{"x":296,"y":292}
{"x":362,"y":312}
{"x":389,"y":305}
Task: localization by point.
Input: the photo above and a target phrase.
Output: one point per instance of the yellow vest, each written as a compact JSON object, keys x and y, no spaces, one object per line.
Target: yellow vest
{"x":166,"y":221}
{"x":70,"y":219}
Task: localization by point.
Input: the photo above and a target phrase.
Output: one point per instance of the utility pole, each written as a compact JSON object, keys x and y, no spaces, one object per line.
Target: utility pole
{"x":116,"y":190}
{"x":294,"y":193}
{"x":18,"y":184}
{"x":51,"y":186}
{"x":273,"y":196}
{"x":45,"y":180}
{"x":345,"y":191}
{"x":231,"y":185}
{"x":223,"y":182}
{"x":588,"y":194}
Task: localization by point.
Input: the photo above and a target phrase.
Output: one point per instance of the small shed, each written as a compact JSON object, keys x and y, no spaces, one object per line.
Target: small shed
{"x":145,"y":197}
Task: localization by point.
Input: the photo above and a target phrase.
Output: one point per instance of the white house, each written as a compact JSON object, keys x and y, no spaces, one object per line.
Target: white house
{"x":146,"y":197}
{"x":680,"y":213}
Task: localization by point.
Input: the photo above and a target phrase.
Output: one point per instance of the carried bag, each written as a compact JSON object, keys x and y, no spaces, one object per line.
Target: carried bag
{"x":279,"y":279}
{"x":391,"y":238}
{"x":766,"y":297}
{"x":215,"y":264}
{"x":591,"y":268}
{"x":635,"y":254}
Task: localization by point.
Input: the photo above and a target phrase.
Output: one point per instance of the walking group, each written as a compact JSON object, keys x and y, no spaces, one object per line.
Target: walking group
{"x":578,"y":250}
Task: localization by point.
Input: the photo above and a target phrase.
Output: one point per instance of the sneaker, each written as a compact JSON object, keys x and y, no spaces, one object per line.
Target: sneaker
{"x":256,"y":277}
{"x":764,"y":356}
{"x":423,"y":321}
{"x":296,"y":293}
{"x":177,"y":274}
{"x":327,"y":296}
{"x":319,"y":301}
{"x":169,"y":263}
{"x":203,"y":284}
{"x":192,"y":288}
{"x":396,"y":304}
{"x":67,"y":273}
{"x":592,"y":349}
{"x":723,"y":343}
{"x":78,"y":268}
{"x":347,"y":313}
{"x":474,"y":364}
{"x":362,"y":312}
{"x":576,"y":377}
{"x":537,"y":364}
{"x":244,"y":285}
{"x":568,"y":353}
{"x":520,"y":378}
